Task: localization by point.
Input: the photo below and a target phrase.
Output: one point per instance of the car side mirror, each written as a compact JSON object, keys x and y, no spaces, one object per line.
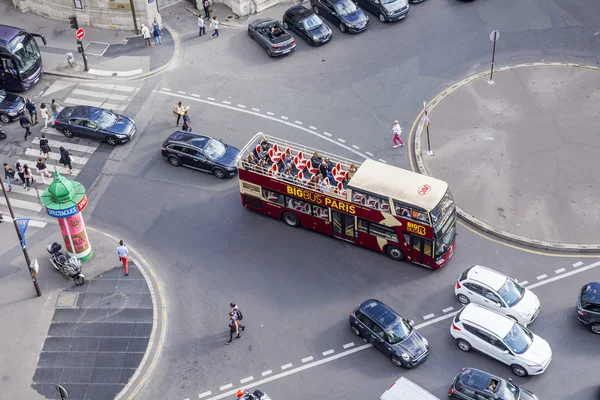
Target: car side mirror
{"x":505,"y":352}
{"x":410,"y":322}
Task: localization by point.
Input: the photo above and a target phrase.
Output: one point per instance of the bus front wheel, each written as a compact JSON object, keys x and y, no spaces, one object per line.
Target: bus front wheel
{"x":395,"y":253}
{"x":291,"y":219}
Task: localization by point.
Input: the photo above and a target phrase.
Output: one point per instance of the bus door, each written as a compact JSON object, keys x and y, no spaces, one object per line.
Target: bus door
{"x":343,"y":226}
{"x":421,"y":250}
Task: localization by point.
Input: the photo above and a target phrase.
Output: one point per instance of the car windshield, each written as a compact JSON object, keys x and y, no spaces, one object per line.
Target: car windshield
{"x":105,"y":119}
{"x":388,"y":1}
{"x":518,"y":339}
{"x":345,"y":7}
{"x":214,"y":149}
{"x":443,"y":244}
{"x":511,"y":292}
{"x":25,"y":47}
{"x":508,"y":392}
{"x":398,"y":332}
{"x":312,"y":22}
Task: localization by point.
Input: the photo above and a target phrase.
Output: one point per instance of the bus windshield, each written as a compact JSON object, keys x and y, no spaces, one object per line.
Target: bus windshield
{"x":27,"y":51}
{"x":442,"y":244}
{"x":442,"y":212}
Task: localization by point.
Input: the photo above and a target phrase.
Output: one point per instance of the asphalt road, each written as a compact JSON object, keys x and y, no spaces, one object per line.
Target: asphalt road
{"x":295,"y":287}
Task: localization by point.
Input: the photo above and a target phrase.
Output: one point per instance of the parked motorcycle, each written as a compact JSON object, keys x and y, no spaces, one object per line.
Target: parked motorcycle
{"x":69,"y":267}
{"x":256,"y":395}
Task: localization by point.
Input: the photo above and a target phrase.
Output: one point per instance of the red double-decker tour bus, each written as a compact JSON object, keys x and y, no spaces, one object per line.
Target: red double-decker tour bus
{"x":406,"y":215}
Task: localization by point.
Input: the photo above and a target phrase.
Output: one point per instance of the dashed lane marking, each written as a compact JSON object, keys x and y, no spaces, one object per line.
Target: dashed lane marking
{"x":560,"y":271}
{"x":524,"y":283}
{"x":312,"y":127}
{"x":328,"y":352}
{"x":204,"y":394}
{"x":341,"y":140}
{"x":298,"y":122}
{"x":445,"y":310}
{"x":256,"y":109}
{"x":369,"y":154}
{"x":284,"y":117}
{"x":267,"y":372}
{"x":539,"y":278}
{"x":210,"y":98}
{"x":180,"y":92}
{"x":270,"y":113}
{"x":195,"y":95}
{"x":383,"y":161}
{"x":248,"y":379}
{"x":225,"y":387}
{"x":578,"y":264}
{"x":307,"y":359}
{"x":428,"y":316}
{"x":226,"y":102}
{"x":348,"y":345}
{"x":286,"y":366}
{"x":241,"y":106}
{"x":327,"y":134}
{"x":355,"y":147}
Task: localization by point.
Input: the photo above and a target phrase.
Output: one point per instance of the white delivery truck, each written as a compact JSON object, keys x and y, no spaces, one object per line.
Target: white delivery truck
{"x":403,"y":389}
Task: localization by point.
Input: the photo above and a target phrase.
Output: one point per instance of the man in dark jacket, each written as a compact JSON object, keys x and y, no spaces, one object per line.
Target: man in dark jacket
{"x":25,"y":124}
{"x":65,"y":159}
{"x":32,"y":109}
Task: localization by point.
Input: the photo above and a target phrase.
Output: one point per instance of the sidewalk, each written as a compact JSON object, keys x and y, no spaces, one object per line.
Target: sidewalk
{"x":520,"y":155}
{"x":89,"y":338}
{"x":111,"y":53}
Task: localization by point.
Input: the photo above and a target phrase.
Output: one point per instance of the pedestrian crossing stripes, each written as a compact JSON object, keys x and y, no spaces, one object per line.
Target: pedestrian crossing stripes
{"x":62,"y":170}
{"x":32,"y":223}
{"x":69,"y":146}
{"x":55,"y":156}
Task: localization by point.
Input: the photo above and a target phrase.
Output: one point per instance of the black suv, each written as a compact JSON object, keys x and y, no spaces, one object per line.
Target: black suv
{"x":201,"y":153}
{"x":391,"y":334}
{"x":473,"y":384}
{"x":588,"y":306}
{"x":344,"y":13}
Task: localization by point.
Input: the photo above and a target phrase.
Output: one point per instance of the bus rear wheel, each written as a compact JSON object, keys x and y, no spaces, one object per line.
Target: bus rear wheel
{"x":395,"y":253}
{"x":291,"y":219}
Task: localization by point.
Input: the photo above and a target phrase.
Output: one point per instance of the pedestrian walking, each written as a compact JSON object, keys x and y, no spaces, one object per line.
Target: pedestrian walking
{"x":54,"y":107}
{"x":45,"y":114}
{"x":28,"y":177}
{"x":9,"y":174}
{"x":156,"y":30}
{"x":237,"y":314}
{"x":32,"y":110}
{"x":233,"y":328}
{"x":45,"y":147}
{"x":65,"y":159}
{"x":187,"y":122}
{"x":201,"y":26}
{"x":178,"y":111}
{"x":205,"y":5}
{"x":20,"y":172}
{"x":396,"y":131}
{"x":146,"y":36}
{"x":122,"y":252}
{"x":25,"y":124}
{"x":214,"y":24}
{"x":42,"y":169}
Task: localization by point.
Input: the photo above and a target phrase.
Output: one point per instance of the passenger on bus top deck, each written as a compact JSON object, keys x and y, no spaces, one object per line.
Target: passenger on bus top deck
{"x":315,"y":160}
{"x":287,"y":159}
{"x":351,"y":171}
{"x":325,"y":169}
{"x":287,"y":175}
{"x":313,"y":183}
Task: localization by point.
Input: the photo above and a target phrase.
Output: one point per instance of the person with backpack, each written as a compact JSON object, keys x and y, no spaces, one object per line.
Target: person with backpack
{"x":233,"y":328}
{"x":205,"y":5}
{"x":238,"y":315}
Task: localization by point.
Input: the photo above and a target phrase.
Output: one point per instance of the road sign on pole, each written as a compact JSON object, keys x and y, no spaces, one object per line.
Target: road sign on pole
{"x":80,"y":34}
{"x":494,"y":36}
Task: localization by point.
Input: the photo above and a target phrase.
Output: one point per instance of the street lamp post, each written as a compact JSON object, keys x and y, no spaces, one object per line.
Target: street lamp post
{"x":32,"y":270}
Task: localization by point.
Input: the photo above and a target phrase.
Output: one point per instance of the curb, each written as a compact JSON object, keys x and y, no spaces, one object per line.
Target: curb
{"x":155,"y":344}
{"x":471,"y":219}
{"x":176,"y":44}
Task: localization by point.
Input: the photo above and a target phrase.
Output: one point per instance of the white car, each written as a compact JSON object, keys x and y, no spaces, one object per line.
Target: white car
{"x":500,"y":337}
{"x":486,"y":287}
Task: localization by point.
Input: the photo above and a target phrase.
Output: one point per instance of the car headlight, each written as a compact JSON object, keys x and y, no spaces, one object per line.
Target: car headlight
{"x":425,"y":342}
{"x":525,"y":315}
{"x":315,"y":38}
{"x":230,"y":168}
{"x":349,"y":25}
{"x":533,"y":365}
{"x":13,"y":113}
{"x":390,"y":12}
{"x":121,"y":136}
{"x":405,"y":357}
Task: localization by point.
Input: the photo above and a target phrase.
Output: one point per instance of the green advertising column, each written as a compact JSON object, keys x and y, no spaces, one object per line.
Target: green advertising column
{"x":64,"y":200}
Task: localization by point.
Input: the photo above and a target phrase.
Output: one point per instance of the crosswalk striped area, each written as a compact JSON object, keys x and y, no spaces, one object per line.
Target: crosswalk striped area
{"x":106,"y":95}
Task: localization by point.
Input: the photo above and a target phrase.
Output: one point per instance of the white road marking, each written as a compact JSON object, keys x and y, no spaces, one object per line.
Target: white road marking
{"x":26,"y":205}
{"x":355,"y":147}
{"x":560,"y":271}
{"x":256,"y":109}
{"x":267,"y":372}
{"x":120,"y":88}
{"x":180,"y":92}
{"x":524,"y":283}
{"x":327,"y":134}
{"x":307,"y":359}
{"x":61,"y":169}
{"x":248,"y":379}
{"x":298,"y":122}
{"x":341,"y":140}
{"x":539,"y":278}
{"x":369,"y":154}
{"x":195,"y":95}
{"x":101,"y":95}
{"x":348,"y":345}
{"x":284,"y":117}
{"x":118,"y":73}
{"x":69,"y":146}
{"x":241,"y":106}
{"x":166,"y":90}
{"x":101,"y":104}
{"x":328,"y":352}
{"x":226,"y":102}
{"x":428,"y":316}
{"x":201,"y":395}
{"x":225,"y":387}
{"x":287,"y":366}
{"x":35,"y":224}
{"x":210,"y":98}
{"x":578,"y":264}
{"x":383,"y":161}
{"x":270,"y":113}
{"x":312,"y":127}
{"x":51,"y":131}
{"x":445,"y":310}
{"x":40,"y":186}
{"x":55,"y":156}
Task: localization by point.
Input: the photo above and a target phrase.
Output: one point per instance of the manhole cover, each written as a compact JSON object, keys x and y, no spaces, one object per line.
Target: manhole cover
{"x":96,"y":48}
{"x":230,"y":17}
{"x":67,"y":300}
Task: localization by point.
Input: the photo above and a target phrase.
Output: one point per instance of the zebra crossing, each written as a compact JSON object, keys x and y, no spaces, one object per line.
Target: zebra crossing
{"x":111,"y":96}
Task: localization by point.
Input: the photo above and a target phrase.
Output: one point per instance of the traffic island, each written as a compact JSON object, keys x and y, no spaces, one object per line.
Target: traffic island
{"x":520,"y":154}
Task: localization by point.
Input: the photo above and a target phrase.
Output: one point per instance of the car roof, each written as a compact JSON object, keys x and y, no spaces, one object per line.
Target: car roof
{"x":487,"y":276}
{"x":190,"y":138}
{"x":379,"y":312}
{"x":300,"y":11}
{"x":592,"y":292}
{"x":475,"y":378}
{"x":84,"y":111}
{"x":486,"y":318}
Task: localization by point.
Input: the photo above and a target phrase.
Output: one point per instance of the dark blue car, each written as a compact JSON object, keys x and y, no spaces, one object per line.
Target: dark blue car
{"x":201,"y":153}
{"x":344,"y":13}
{"x":11,"y":106}
{"x":95,"y":123}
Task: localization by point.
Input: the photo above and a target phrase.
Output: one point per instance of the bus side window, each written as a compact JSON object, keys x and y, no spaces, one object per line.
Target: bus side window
{"x":9,"y":66}
{"x":273,"y":196}
{"x":320,"y":212}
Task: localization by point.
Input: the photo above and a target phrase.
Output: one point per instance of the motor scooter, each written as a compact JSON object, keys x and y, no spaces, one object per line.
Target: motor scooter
{"x":69,"y":267}
{"x":256,"y":395}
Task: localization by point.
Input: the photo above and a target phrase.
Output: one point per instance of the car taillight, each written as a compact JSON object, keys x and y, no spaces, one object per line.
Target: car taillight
{"x":56,"y":123}
{"x":276,"y":47}
{"x":293,"y":41}
{"x":457,"y":284}
{"x":456,"y":328}
{"x":450,"y":392}
{"x":581,"y":312}
{"x":163,"y":148}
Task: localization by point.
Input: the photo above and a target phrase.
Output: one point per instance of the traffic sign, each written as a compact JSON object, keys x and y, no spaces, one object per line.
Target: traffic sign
{"x":80,"y":34}
{"x":494,"y":36}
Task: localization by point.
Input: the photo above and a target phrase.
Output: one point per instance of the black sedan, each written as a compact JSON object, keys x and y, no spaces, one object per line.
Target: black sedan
{"x":473,"y":384}
{"x":271,"y":36}
{"x":344,"y":13}
{"x":201,"y":153}
{"x":95,"y":123}
{"x":386,"y":10}
{"x":11,"y":106}
{"x":305,"y":23}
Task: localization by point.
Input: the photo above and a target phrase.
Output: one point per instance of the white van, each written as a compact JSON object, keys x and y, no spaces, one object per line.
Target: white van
{"x":403,"y":389}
